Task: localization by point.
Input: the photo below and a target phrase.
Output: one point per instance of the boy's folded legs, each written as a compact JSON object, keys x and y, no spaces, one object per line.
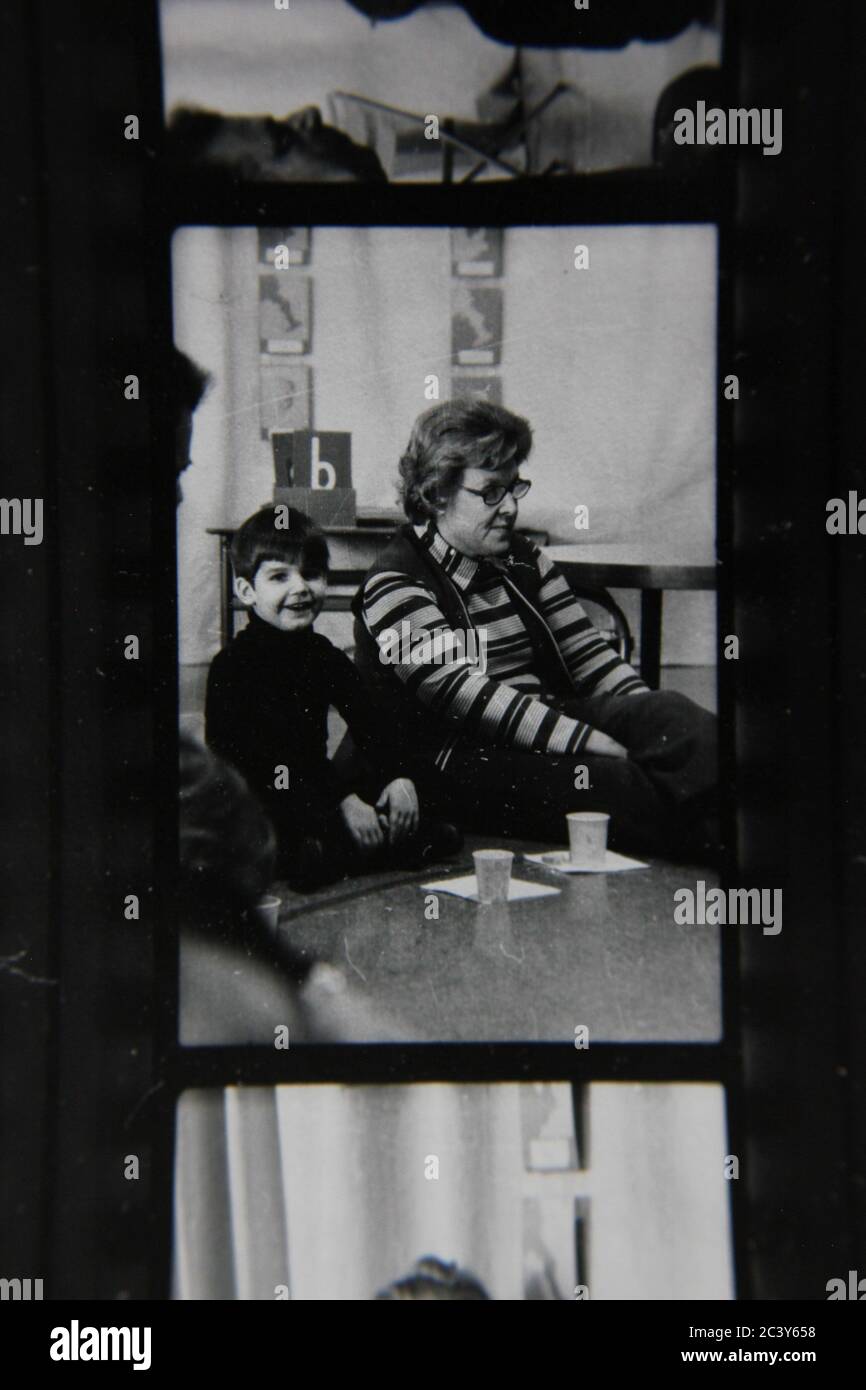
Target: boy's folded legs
{"x":326,"y":852}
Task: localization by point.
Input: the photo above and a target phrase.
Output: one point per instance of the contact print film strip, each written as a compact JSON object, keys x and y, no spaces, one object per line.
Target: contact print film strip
{"x":439,"y":718}
{"x":394,"y":951}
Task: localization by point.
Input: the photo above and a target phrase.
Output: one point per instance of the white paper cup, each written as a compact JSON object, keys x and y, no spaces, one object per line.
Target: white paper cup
{"x":492,"y":874}
{"x":269,"y":911}
{"x":587,"y":838}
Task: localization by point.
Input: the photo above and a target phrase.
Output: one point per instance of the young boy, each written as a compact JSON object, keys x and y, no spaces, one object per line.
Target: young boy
{"x":266,"y":712}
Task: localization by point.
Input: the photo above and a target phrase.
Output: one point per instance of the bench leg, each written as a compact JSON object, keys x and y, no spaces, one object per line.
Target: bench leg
{"x":651,"y":636}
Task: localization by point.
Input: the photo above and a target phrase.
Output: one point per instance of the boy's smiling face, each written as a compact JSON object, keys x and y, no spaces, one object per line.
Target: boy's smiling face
{"x":287,"y":595}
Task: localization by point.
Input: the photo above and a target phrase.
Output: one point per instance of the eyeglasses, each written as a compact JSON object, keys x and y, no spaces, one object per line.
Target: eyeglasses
{"x":494,"y":493}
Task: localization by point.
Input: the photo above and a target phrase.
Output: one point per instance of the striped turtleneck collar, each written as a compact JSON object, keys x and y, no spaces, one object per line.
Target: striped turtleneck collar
{"x":461,"y":569}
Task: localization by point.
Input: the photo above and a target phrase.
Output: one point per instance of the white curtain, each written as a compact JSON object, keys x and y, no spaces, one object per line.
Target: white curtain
{"x":332,"y":1192}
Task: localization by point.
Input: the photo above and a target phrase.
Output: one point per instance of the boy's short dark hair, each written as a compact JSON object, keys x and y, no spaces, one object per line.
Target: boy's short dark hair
{"x":278,"y":533}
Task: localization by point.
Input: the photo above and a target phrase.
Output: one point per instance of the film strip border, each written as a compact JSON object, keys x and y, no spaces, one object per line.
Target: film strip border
{"x":119,"y":1068}
{"x":103,"y":304}
{"x":91,"y":738}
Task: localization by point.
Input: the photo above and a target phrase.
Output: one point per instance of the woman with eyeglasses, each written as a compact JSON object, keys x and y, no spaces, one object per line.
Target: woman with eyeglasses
{"x":503,"y":735}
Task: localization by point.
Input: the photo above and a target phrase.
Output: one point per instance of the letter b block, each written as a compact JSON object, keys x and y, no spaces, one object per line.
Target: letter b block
{"x":319,"y":461}
{"x":314,"y":473}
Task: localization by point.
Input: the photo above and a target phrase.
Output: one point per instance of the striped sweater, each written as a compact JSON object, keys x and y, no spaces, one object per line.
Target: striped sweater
{"x":500,"y":701}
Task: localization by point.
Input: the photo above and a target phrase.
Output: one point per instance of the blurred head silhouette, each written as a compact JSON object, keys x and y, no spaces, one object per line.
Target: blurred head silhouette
{"x":432,"y":1278}
{"x":299,"y":148}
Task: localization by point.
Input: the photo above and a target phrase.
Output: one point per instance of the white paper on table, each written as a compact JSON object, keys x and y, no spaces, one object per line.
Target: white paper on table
{"x":467,"y":887}
{"x":559,"y":860}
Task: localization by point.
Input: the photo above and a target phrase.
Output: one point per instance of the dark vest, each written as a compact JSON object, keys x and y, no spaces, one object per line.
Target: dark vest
{"x":416,"y":726}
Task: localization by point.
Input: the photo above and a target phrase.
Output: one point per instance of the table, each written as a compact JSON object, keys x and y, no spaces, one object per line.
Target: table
{"x":605,"y":953}
{"x":623,"y":566}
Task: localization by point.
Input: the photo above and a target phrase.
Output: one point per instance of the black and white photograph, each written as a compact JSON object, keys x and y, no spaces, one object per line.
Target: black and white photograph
{"x":484,"y":772}
{"x":372,"y":91}
{"x":519,"y":1192}
{"x":433,"y":816}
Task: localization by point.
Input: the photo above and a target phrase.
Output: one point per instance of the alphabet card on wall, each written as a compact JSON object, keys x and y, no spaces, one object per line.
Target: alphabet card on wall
{"x":313,"y":471}
{"x":476,"y":251}
{"x":476,"y":324}
{"x":285,"y":397}
{"x":465,"y":386}
{"x":284,"y":313}
{"x":281,"y":247}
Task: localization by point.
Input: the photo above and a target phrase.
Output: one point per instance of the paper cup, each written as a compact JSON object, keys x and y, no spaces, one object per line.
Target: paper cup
{"x":269,"y":911}
{"x":492,"y":874}
{"x":587,"y":838}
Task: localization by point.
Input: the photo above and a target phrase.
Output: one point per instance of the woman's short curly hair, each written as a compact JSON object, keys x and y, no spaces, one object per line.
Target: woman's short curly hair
{"x":451,"y":437}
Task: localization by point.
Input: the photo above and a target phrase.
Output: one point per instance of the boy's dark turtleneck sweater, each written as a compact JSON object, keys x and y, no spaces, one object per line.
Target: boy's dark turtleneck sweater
{"x":268,"y":694}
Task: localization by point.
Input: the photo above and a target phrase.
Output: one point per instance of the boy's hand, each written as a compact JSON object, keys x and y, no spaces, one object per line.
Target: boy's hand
{"x":399,"y":801}
{"x":362,"y":823}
